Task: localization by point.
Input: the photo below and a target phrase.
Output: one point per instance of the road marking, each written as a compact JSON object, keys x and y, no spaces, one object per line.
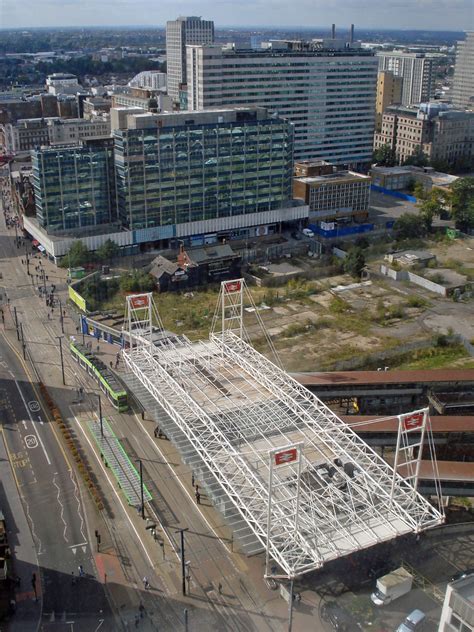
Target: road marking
{"x":40,"y":420}
{"x":101,"y":621}
{"x":31,"y":417}
{"x":33,"y":406}
{"x":77,"y":545}
{"x":62,"y":507}
{"x":31,"y":441}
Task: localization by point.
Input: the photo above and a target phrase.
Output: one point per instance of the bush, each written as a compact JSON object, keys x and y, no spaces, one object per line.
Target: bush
{"x":416,"y":301}
{"x":339,"y":306}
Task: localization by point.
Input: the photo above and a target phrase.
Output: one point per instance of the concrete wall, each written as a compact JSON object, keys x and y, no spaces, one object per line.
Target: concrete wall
{"x":405,"y":275}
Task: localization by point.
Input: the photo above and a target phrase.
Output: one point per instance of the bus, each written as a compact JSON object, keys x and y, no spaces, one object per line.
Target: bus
{"x":108,"y":383}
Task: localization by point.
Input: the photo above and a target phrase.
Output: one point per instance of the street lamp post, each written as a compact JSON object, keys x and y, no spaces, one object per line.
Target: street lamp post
{"x":183,"y":563}
{"x":60,"y":338}
{"x":100,"y":417}
{"x":139,"y":461}
{"x":61,"y":315}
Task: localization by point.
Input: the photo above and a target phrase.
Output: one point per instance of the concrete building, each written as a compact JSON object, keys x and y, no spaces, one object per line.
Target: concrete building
{"x":146,"y":99}
{"x":416,"y":70}
{"x":119,"y":116}
{"x":463,"y":81}
{"x":179,"y":33}
{"x":25,"y":134}
{"x":399,"y":178}
{"x":62,"y":83}
{"x":339,"y":195}
{"x":441,"y":134}
{"x":95,"y":106}
{"x":389,"y":92}
{"x":327,"y":93}
{"x":69,"y":131}
{"x":220,"y":172}
{"x":458,"y":608}
{"x":152,"y":79}
{"x":74,"y":187}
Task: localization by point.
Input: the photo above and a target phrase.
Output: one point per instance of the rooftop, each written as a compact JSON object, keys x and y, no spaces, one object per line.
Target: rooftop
{"x":337,"y":176}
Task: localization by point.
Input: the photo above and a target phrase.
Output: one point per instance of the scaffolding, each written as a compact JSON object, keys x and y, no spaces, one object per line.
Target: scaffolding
{"x":306,"y":485}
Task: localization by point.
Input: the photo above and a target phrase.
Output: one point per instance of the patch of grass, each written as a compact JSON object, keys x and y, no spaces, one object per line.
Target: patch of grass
{"x":435,"y":358}
{"x":416,"y":301}
{"x":339,"y":306}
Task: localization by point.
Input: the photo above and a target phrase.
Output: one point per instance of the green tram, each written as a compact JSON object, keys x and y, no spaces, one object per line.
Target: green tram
{"x":106,"y":380}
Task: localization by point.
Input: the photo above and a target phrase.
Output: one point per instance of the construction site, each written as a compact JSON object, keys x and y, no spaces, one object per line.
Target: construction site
{"x":292,"y":478}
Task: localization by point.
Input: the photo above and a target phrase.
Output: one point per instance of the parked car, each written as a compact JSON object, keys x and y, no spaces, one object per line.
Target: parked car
{"x":307,"y":232}
{"x":462,"y":574}
{"x":339,"y":618}
{"x":296,"y":236}
{"x":415,"y":621}
{"x":392,"y":586}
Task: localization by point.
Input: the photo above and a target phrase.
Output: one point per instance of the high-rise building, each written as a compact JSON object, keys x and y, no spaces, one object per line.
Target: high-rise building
{"x":458,"y":608}
{"x":153,"y":79}
{"x":327,"y":93}
{"x":213,"y":172}
{"x":463,"y":82}
{"x":179,"y":33}
{"x":74,"y":186}
{"x":389,"y":92}
{"x":416,"y":69}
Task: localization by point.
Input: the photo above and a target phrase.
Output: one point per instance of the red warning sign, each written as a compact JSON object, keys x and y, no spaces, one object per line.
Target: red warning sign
{"x":139,"y":301}
{"x":285,"y":456}
{"x":233,"y":286}
{"x":410,"y":422}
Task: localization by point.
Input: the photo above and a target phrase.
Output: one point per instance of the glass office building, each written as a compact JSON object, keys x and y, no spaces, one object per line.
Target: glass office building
{"x":74,"y":186}
{"x":177,"y":168}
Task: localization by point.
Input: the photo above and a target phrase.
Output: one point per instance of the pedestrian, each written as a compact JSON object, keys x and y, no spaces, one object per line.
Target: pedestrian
{"x":198,"y":498}
{"x":146,"y":583}
{"x":197,"y":488}
{"x":192,"y":479}
{"x":137,"y":620}
{"x":155,"y":432}
{"x":141,"y":609}
{"x":111,"y":364}
{"x":219,"y":588}
{"x":81,"y":570}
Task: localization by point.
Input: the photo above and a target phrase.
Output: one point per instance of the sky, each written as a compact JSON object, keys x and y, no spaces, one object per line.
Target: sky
{"x":404,"y":14}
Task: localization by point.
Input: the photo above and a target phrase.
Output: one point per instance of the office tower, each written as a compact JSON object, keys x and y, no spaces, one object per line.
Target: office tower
{"x":179,"y":33}
{"x":74,"y":186}
{"x":463,"y":82}
{"x":327,"y":93}
{"x":416,"y":69}
{"x":389,"y":92}
{"x":193,"y":173}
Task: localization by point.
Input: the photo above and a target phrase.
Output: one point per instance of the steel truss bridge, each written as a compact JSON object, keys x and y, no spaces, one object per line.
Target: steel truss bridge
{"x":308,"y":488}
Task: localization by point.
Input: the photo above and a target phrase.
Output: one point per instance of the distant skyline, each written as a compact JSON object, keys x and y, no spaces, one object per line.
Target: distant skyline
{"x":455,"y":15}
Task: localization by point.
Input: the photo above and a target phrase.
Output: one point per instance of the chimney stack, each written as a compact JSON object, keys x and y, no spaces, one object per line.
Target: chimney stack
{"x":351,"y":40}
{"x":333,"y":31}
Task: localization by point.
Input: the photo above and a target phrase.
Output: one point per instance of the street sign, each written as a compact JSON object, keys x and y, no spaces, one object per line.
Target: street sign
{"x":232,"y":286}
{"x":415,"y":420}
{"x":285,"y":456}
{"x":138,"y":302}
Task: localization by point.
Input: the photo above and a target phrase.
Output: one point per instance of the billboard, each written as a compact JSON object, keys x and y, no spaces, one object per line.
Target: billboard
{"x":285,"y":456}
{"x":232,"y":286}
{"x":139,"y":302}
{"x":76,"y":298}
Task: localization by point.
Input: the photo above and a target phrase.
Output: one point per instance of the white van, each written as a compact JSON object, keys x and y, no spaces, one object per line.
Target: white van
{"x":308,"y":232}
{"x":415,"y":621}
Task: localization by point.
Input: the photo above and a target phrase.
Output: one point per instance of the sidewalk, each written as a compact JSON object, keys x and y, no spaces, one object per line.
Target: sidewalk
{"x":24,"y":560}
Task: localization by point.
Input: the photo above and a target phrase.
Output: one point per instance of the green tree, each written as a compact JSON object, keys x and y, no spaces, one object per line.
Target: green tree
{"x":385,"y":156}
{"x":409,"y":226}
{"x":354,"y":262}
{"x":462,"y":203}
{"x":137,"y":281}
{"x":419,"y":191}
{"x":107,"y":251}
{"x":418,"y":158}
{"x":78,"y":255}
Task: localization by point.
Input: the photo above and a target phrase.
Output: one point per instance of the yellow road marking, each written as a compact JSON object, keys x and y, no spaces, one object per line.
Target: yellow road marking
{"x":40,"y":400}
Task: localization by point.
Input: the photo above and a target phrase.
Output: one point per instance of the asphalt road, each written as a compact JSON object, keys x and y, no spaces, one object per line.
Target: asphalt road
{"x":49,"y":492}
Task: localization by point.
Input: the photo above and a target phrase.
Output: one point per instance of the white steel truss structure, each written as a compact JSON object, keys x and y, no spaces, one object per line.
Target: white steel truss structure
{"x":307,"y":486}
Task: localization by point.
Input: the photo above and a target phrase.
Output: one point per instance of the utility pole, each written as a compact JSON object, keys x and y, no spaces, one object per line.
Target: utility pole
{"x":16,"y":323}
{"x":23,"y":342}
{"x":61,"y":315}
{"x":139,"y":461}
{"x":290,"y":606}
{"x":60,"y":338}
{"x":183,"y":563}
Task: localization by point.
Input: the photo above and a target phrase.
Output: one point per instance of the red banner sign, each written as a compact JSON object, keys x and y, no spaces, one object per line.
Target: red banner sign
{"x":233,"y":286}
{"x":410,"y":422}
{"x":285,"y":456}
{"x":139,"y":301}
